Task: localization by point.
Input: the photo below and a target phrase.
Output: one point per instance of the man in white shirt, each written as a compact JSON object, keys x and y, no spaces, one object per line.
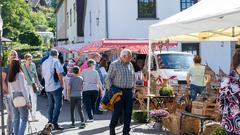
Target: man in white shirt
{"x":52,"y":73}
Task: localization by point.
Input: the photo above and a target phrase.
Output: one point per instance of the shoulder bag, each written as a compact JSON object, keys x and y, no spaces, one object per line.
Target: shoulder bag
{"x":19,"y":101}
{"x":34,"y":85}
{"x":55,"y":75}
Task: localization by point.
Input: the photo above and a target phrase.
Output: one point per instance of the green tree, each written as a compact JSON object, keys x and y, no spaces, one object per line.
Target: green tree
{"x":30,"y":38}
{"x":39,"y":21}
{"x":50,"y":17}
{"x":16,"y":16}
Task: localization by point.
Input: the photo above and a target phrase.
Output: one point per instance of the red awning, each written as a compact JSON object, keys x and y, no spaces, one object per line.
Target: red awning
{"x":136,"y":45}
{"x":69,"y":48}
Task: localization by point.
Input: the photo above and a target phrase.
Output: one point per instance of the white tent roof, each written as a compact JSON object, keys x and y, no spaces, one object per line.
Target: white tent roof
{"x":210,"y":20}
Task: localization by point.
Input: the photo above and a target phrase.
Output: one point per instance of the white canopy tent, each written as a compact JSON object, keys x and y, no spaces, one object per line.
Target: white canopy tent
{"x":207,"y":20}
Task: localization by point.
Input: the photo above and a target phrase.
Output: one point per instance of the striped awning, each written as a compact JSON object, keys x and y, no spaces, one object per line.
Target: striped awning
{"x":69,"y":48}
{"x":136,"y":45}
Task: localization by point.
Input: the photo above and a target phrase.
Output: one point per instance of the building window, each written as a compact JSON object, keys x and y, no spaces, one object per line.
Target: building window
{"x":191,"y":48}
{"x":67,"y":20}
{"x":187,"y":3}
{"x":70,"y":17}
{"x":147,"y":9}
{"x":74,"y":12}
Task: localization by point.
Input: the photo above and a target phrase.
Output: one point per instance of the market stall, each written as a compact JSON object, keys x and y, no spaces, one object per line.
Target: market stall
{"x":137,"y":45}
{"x":69,"y":48}
{"x":207,"y":20}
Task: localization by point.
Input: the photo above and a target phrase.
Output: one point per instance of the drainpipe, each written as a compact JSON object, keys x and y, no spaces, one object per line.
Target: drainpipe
{"x":106,"y":14}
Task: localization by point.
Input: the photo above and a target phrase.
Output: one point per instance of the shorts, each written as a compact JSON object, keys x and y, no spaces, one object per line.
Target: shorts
{"x":194,"y":90}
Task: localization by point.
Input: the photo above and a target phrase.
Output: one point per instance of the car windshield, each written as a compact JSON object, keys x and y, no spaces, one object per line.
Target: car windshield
{"x":175,"y":61}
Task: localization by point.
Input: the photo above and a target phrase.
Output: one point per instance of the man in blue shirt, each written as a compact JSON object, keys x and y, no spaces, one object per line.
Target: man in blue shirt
{"x":52,"y":73}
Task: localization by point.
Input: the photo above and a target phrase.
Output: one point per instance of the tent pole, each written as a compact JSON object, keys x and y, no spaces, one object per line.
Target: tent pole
{"x":149,"y":76}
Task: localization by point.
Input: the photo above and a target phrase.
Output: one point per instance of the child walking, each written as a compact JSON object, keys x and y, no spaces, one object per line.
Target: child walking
{"x":75,"y":96}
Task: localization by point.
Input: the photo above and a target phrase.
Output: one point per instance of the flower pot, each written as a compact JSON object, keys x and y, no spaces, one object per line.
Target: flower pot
{"x":158,"y":126}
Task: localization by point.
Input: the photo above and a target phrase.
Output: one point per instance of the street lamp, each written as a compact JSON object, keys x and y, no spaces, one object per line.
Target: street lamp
{"x":1,"y":88}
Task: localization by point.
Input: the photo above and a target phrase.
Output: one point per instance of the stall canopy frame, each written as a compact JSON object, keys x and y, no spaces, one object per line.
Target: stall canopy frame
{"x":207,"y":20}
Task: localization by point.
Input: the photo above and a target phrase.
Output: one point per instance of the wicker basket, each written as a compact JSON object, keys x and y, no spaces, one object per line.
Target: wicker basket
{"x":209,"y":128}
{"x":191,"y":125}
{"x":203,"y":108}
{"x":172,"y":123}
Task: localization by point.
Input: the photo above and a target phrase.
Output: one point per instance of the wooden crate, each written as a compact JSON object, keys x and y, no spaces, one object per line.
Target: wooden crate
{"x":203,"y":108}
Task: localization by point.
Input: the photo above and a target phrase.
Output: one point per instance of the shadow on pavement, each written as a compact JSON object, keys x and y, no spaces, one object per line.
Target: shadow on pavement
{"x":149,"y":131}
{"x":66,"y":129}
{"x":94,"y":131}
{"x":42,"y":107}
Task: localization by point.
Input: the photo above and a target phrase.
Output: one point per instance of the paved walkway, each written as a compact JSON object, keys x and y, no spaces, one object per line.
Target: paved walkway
{"x":98,"y":127}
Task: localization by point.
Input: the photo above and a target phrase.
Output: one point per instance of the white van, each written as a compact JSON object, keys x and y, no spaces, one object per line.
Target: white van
{"x":167,"y":64}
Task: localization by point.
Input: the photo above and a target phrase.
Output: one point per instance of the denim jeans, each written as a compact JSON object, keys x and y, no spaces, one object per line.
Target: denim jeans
{"x":89,"y":100}
{"x":98,"y":103}
{"x":76,"y":102}
{"x":194,"y":90}
{"x":20,"y":118}
{"x":54,"y":105}
{"x":124,"y":106}
{"x":8,"y":103}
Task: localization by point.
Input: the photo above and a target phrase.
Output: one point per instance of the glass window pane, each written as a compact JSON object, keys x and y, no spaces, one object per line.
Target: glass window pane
{"x":147,"y":9}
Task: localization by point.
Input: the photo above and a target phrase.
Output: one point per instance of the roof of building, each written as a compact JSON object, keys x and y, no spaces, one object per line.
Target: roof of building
{"x":36,"y":2}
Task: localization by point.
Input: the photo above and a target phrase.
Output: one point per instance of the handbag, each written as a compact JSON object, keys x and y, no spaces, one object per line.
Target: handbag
{"x":19,"y":101}
{"x":35,"y":88}
{"x":55,"y":76}
{"x":34,"y":85}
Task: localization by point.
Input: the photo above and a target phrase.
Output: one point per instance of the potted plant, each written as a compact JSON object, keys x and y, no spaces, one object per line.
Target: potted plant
{"x":157,"y":115}
{"x":139,"y":116}
{"x":166,"y":91}
{"x":219,"y":131}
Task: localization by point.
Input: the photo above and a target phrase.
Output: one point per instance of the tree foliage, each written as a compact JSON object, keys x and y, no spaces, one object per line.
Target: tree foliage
{"x":16,"y":16}
{"x":30,"y":38}
{"x":50,"y":16}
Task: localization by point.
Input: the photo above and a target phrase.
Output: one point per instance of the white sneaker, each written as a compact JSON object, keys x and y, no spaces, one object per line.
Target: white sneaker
{"x":90,"y":120}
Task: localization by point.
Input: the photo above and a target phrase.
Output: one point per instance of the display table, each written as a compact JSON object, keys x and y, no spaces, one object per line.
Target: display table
{"x":159,"y":101}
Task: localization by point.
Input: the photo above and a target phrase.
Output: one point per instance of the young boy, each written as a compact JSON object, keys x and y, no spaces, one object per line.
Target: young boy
{"x":75,"y":93}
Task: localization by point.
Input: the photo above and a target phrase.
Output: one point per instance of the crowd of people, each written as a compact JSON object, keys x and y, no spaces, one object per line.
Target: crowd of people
{"x":84,"y":89}
{"x":85,"y":83}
